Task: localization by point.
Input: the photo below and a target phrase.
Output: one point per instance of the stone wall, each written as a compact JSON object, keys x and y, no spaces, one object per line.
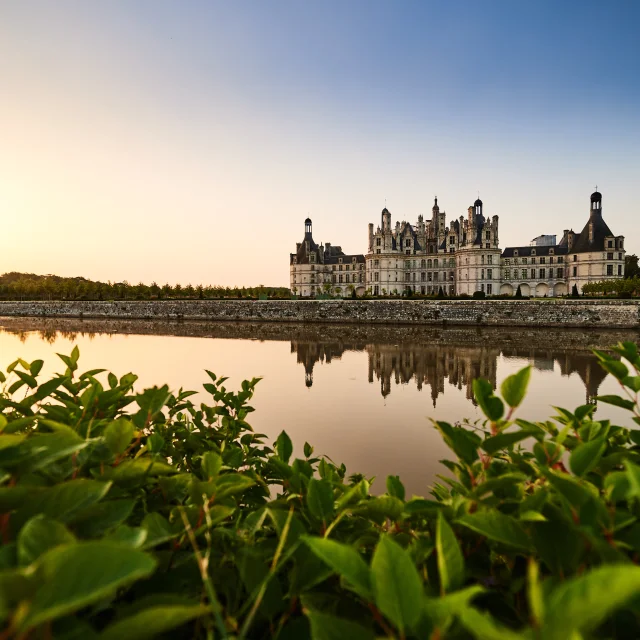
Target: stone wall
{"x":604,"y":314}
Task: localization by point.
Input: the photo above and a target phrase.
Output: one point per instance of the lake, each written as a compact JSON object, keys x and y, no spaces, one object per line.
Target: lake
{"x":362,"y":395}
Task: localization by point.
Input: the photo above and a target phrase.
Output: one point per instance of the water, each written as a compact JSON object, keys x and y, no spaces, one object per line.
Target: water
{"x":362,"y":395}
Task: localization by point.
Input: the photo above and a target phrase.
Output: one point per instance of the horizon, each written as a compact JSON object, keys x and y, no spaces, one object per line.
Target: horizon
{"x":156,"y":142}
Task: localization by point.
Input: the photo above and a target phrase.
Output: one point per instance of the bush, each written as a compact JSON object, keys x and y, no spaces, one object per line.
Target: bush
{"x":574,"y":292}
{"x":519,"y":293}
{"x":132,"y":515}
{"x":479,"y":295}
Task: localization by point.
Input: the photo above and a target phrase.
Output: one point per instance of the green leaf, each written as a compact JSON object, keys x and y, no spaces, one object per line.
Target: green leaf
{"x":284,"y":447}
{"x":344,"y":560}
{"x":450,"y":559}
{"x":491,"y":405}
{"x":397,"y":586}
{"x":71,"y":577}
{"x":586,"y":456}
{"x":395,"y":487}
{"x":152,"y":622}
{"x":583,"y":603}
{"x":498,"y":527}
{"x":483,"y":627}
{"x":64,"y":500}
{"x":327,"y":627}
{"x":460,"y":441}
{"x":504,"y":440}
{"x":118,"y":435}
{"x":514,"y":387}
{"x":211,"y":464}
{"x":320,"y":499}
{"x":576,"y":494}
{"x":38,"y":536}
{"x":231,"y":484}
{"x":617,"y":401}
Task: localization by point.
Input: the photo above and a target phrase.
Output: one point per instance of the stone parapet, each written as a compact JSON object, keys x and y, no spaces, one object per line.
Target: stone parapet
{"x":603,"y":314}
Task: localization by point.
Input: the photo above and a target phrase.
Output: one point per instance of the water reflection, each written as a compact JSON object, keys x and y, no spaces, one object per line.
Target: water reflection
{"x":433,"y":366}
{"x":363,"y":395}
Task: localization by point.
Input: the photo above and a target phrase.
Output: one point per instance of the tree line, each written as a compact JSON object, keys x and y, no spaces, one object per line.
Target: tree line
{"x":29,"y":286}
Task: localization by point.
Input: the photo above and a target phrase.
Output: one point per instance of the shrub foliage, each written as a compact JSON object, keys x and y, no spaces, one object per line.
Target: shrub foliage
{"x":132,"y":515}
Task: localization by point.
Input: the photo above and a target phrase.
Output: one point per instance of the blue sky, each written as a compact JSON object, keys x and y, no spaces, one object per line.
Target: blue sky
{"x":188,"y":141}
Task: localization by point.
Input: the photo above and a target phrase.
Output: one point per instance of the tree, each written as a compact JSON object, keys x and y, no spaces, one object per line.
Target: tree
{"x":631,"y":268}
{"x":440,"y":293}
{"x":574,"y":291}
{"x":519,"y":293}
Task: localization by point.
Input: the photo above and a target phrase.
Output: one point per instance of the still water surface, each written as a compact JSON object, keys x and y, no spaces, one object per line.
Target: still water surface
{"x":361,"y":395}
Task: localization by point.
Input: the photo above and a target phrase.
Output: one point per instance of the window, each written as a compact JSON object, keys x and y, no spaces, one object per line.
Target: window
{"x":488,"y":236}
{"x":524,"y":274}
{"x":482,"y":274}
{"x":407,"y":264}
{"x":452,"y":262}
{"x":340,"y":278}
{"x":551,"y":252}
{"x":423,"y":263}
{"x":376,"y":276}
{"x":339,"y":260}
{"x":575,"y":258}
{"x":575,"y":272}
{"x":533,"y":273}
{"x":609,"y":269}
{"x":377,"y":250}
{"x":507,"y":261}
{"x":542,"y":273}
{"x":533,"y":260}
{"x":407,"y":277}
{"x":334,"y":267}
{"x":408,"y":252}
{"x":339,"y":267}
{"x":487,"y":246}
{"x":533,"y":252}
{"x":507,"y":274}
{"x":452,"y":240}
{"x":423,"y":277}
{"x":619,"y":256}
{"x":489,"y":274}
{"x":560,"y":259}
{"x":346,"y":278}
{"x":312,"y":258}
{"x":376,"y":291}
{"x":619,"y":269}
{"x":515,"y":253}
{"x":376,"y":263}
{"x":407,"y":243}
{"x":435,"y":263}
{"x":524,"y":261}
{"x":489,"y":289}
{"x":489,"y":259}
{"x":377,"y":242}
{"x":550,"y":259}
{"x":559,"y":273}
{"x":610,"y":255}
{"x":482,"y":259}
{"x":542,"y":260}
{"x":430,"y":276}
{"x":610,"y":244}
{"x":482,"y":287}
{"x":346,"y":268}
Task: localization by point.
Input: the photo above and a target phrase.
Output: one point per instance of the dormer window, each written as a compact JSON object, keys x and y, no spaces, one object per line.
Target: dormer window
{"x":378,"y":242}
{"x":551,"y":252}
{"x":515,"y":253}
{"x":312,"y":258}
{"x":533,"y":252}
{"x":339,"y":260}
{"x":408,"y":243}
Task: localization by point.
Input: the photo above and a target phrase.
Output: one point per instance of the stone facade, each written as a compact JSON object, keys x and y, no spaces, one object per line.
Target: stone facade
{"x":463,"y":258}
{"x":553,"y":269}
{"x":324,"y":269}
{"x":429,"y":256}
{"x":603,"y":314}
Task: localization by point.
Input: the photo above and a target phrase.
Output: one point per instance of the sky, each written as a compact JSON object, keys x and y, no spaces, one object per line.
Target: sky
{"x":187,"y":141}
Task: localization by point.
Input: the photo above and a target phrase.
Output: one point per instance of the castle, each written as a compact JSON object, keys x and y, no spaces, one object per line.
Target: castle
{"x":462,"y":258}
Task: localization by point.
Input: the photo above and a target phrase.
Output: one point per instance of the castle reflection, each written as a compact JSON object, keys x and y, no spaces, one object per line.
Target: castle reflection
{"x":436,"y":366}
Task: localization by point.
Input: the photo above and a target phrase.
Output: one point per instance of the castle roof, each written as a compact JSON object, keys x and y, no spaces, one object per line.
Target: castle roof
{"x":525,"y":252}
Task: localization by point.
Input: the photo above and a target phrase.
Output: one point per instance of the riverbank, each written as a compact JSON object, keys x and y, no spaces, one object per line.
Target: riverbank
{"x":603,"y":314}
